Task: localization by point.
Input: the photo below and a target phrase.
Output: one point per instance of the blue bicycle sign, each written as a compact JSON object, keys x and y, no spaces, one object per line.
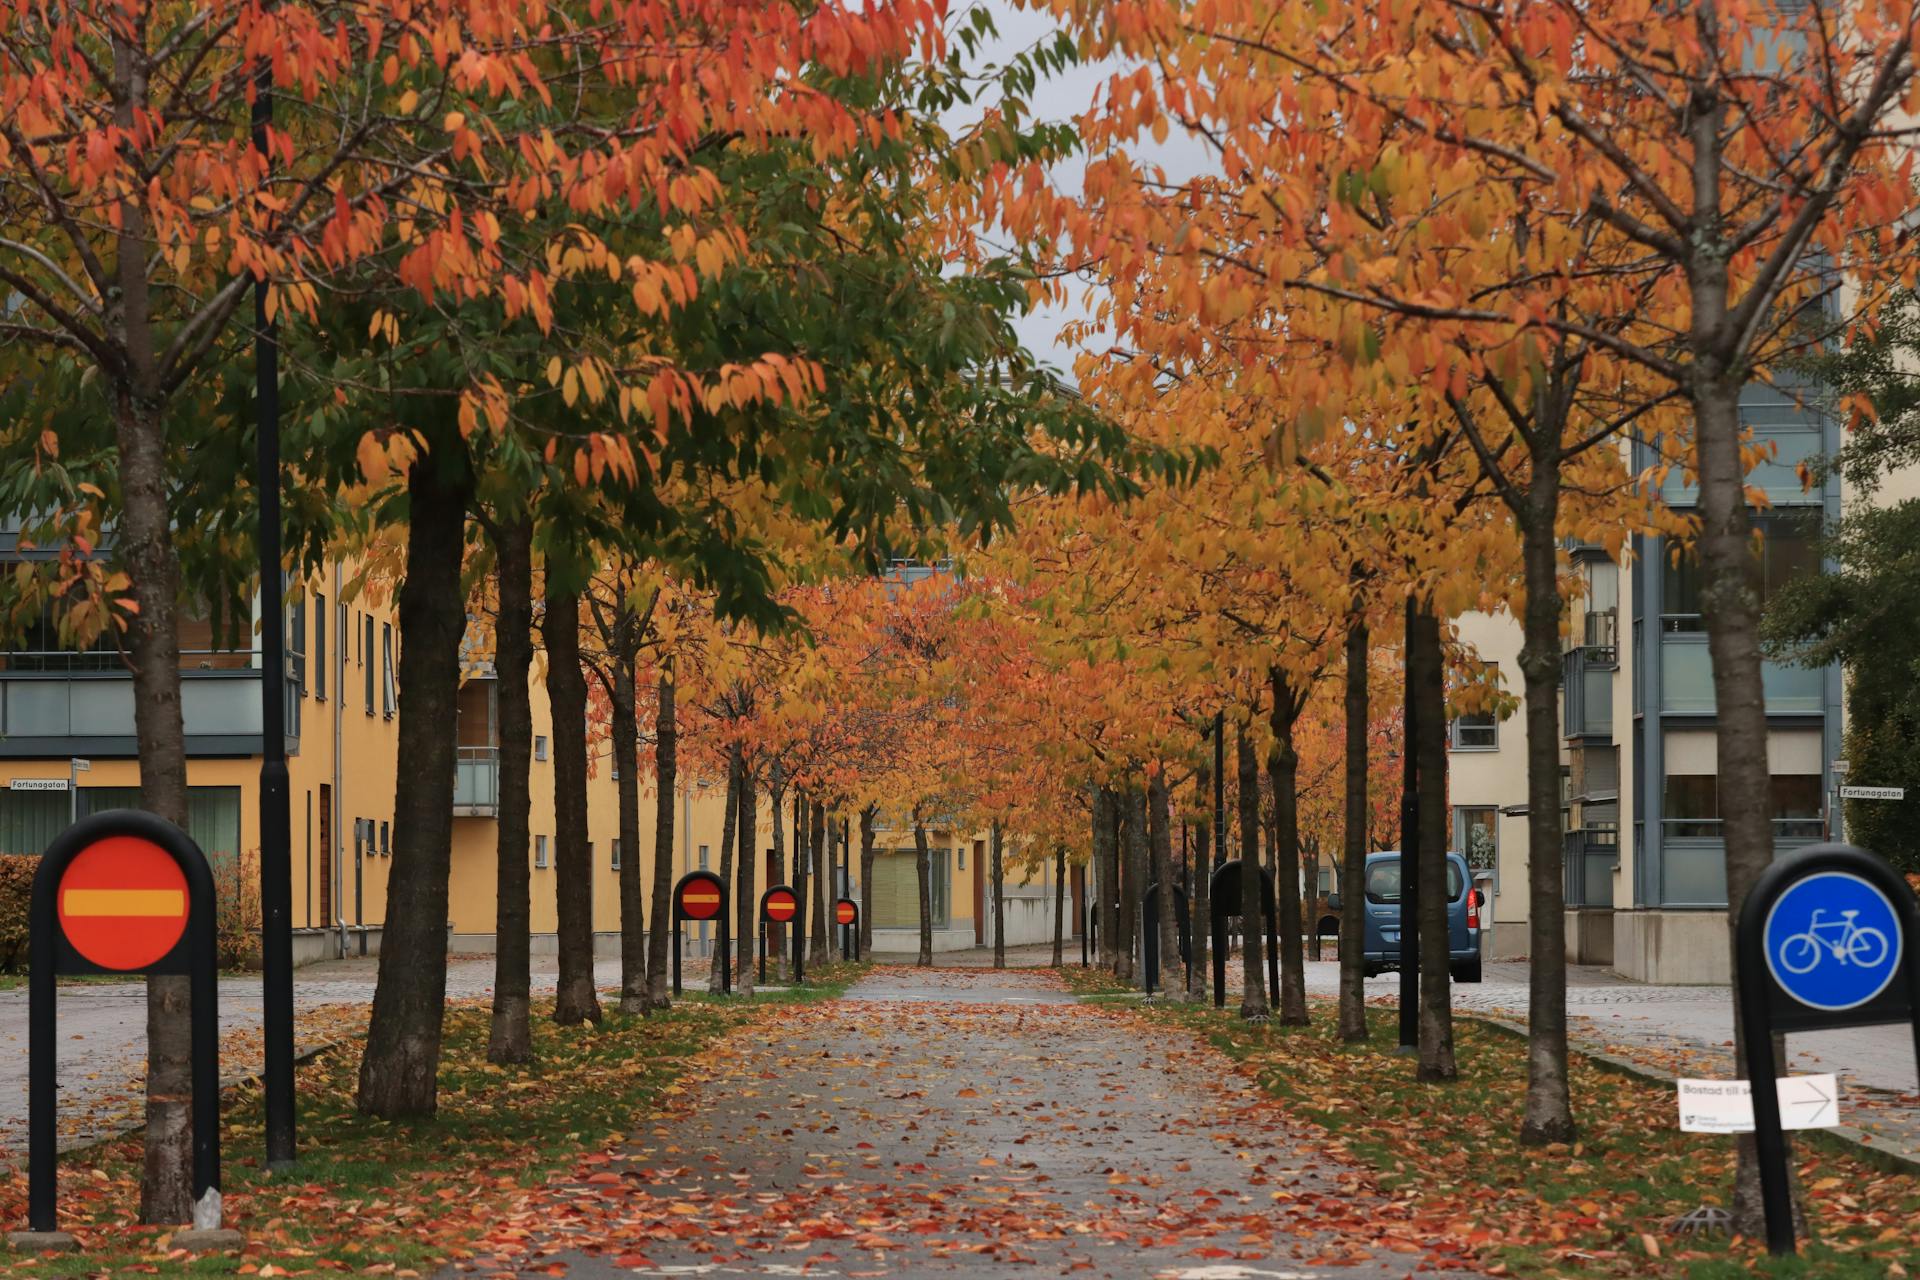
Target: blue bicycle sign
{"x":1833,"y":941}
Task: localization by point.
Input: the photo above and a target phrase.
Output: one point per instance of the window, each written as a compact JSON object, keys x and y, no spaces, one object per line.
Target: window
{"x":386,"y":670}
{"x":296,"y":642}
{"x":385,"y":830}
{"x":963,"y":857}
{"x":320,"y":648}
{"x":366,"y":647}
{"x":539,"y":747}
{"x":1692,"y":804}
{"x":616,"y":853}
{"x":1476,"y":835}
{"x":703,"y":857}
{"x":1475,"y":731}
{"x":1383,"y":881}
{"x":539,"y":853}
{"x":896,"y":889}
{"x":1787,"y":550}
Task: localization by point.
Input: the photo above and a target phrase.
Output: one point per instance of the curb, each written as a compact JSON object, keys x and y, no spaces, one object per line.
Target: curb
{"x":1844,"y":1138}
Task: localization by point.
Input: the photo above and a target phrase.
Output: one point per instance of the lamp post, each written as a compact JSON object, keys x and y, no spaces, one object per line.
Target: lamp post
{"x":276,"y":821}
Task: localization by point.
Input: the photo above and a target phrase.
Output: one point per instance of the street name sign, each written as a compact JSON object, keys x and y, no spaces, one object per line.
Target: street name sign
{"x":1873,"y":793}
{"x":37,"y":784}
{"x":1726,"y":1106}
{"x":1828,"y":937}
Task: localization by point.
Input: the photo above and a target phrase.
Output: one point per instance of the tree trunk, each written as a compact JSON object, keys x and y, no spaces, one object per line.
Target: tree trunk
{"x":1106,"y":877}
{"x":1409,"y":913}
{"x":574,"y":999}
{"x":1166,"y":911}
{"x":1353,"y":860}
{"x":729,"y":827}
{"x":625,"y":722}
{"x":999,"y":901}
{"x":146,"y":547}
{"x":1132,"y":808}
{"x":509,"y":1038}
{"x":1730,"y":605}
{"x":802,"y":873}
{"x":777,"y":873}
{"x":666,"y":778}
{"x":1059,"y":904}
{"x":1283,"y":771}
{"x":1253,"y":976}
{"x":820,"y":844}
{"x":1200,"y":908}
{"x":400,"y":1067}
{"x":1548,"y":1115}
{"x":1310,"y":887}
{"x":1436,"y":1010}
{"x":923,"y":868}
{"x":747,"y":914}
{"x":867,"y":853}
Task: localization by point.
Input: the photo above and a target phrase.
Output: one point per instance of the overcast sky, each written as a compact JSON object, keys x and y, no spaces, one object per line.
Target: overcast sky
{"x":1061,"y":98}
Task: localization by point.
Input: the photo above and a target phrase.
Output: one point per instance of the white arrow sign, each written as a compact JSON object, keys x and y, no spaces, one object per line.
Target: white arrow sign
{"x":1726,"y":1106}
{"x":1873,"y":793}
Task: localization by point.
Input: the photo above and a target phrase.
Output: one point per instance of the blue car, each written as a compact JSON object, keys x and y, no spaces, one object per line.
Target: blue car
{"x":1380,"y":950}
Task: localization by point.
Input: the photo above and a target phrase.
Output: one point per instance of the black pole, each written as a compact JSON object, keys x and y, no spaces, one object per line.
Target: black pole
{"x":204,"y":991}
{"x":763,"y":944}
{"x":1273,"y":942}
{"x":276,"y":822}
{"x":1149,"y":939}
{"x":726,"y":944}
{"x":1409,"y":846}
{"x":1219,"y":789}
{"x":42,"y":1072}
{"x":676,"y":944}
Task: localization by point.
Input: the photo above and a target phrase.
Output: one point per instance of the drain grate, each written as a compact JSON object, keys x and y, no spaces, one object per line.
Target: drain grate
{"x":1707,"y":1220}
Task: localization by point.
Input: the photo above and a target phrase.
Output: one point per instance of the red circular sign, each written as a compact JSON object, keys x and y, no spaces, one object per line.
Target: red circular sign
{"x":700,"y":899}
{"x":123,"y":903}
{"x":782,"y":905}
{"x":843,"y":912}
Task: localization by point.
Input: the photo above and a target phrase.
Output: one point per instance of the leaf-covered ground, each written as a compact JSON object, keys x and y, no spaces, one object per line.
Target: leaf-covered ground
{"x":1599,"y":1207}
{"x":374,"y":1198}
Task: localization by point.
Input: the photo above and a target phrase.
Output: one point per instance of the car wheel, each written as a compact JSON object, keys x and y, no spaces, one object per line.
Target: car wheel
{"x":1467,"y":970}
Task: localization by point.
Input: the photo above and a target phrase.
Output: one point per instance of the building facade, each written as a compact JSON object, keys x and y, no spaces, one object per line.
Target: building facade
{"x":1645,"y":876}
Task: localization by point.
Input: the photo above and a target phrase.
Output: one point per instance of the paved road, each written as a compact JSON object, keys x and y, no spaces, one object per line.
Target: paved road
{"x":961,"y":1122}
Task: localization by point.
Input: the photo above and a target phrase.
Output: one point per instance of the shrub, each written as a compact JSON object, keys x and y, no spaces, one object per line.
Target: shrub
{"x":236,"y":892}
{"x":16,"y":897}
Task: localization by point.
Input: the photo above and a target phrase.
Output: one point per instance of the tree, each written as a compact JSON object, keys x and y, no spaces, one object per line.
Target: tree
{"x":509,"y":1038}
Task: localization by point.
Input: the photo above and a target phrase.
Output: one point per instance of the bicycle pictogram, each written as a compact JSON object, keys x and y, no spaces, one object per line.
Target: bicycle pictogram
{"x":1844,"y":940}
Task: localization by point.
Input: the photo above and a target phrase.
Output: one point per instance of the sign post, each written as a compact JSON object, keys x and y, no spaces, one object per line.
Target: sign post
{"x":1828,"y":937}
{"x":846,"y":914}
{"x":1224,"y":892}
{"x":702,"y":895}
{"x":778,"y":905}
{"x":119,"y":892}
{"x":1150,"y":932}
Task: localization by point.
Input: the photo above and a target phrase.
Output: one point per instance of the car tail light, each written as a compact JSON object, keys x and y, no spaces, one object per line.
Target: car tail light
{"x":1473,"y":908}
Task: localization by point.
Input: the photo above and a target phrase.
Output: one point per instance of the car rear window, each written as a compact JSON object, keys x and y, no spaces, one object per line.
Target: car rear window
{"x":1383,"y":881}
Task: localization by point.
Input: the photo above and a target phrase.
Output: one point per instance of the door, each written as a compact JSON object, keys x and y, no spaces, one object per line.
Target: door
{"x":979,"y":894}
{"x":326,"y":855}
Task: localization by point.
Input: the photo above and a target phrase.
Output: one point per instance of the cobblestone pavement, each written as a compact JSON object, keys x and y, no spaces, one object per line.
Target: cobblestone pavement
{"x":960,"y":1121}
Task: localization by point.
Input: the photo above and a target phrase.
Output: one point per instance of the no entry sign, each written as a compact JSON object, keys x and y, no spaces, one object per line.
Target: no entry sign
{"x":122,"y":903}
{"x":700,"y":899}
{"x":702,"y":895}
{"x":780,"y":904}
{"x":120,"y":892}
{"x":846,"y":914}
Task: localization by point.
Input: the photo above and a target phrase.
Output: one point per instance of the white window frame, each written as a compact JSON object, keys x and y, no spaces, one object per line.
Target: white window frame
{"x":539,"y":853}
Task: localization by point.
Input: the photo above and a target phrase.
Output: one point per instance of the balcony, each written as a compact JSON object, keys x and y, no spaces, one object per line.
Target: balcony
{"x":476,"y":783}
{"x":55,"y":703}
{"x":1591,"y":855}
{"x":476,"y":775}
{"x":1693,"y":857}
{"x":1586,"y":690}
{"x":1686,"y":676}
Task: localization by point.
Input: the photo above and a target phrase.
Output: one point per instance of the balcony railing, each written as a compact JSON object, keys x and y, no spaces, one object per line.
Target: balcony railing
{"x":1586,"y":690}
{"x":1591,"y":855}
{"x":56,"y":704}
{"x":476,"y":783}
{"x":1686,"y":675}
